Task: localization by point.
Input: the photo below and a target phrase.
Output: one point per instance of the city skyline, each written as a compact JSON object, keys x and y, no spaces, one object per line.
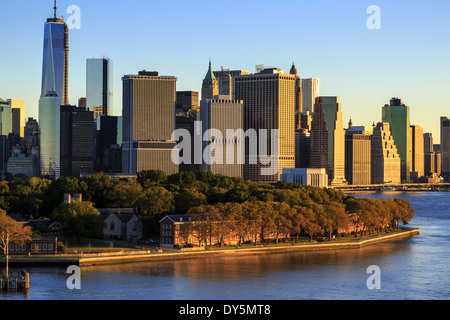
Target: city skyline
{"x":364,"y":70}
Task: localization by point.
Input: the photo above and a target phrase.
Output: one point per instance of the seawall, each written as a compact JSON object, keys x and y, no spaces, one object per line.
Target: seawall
{"x":146,"y":256}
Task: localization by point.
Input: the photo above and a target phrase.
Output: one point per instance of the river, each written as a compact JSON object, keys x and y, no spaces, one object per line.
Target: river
{"x":415,"y":268}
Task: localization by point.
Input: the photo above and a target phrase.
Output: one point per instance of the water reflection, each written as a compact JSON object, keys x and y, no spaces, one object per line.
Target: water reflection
{"x":411,"y":268}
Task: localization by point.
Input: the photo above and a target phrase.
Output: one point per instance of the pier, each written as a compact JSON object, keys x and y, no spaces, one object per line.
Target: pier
{"x":21,"y":281}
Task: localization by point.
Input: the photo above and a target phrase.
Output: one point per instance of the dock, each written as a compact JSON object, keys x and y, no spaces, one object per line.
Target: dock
{"x":20,"y":281}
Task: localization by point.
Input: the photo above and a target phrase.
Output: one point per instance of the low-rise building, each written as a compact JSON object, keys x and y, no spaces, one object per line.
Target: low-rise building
{"x":306,"y":177}
{"x":41,"y":246}
{"x":175,"y":230}
{"x":122,"y":224}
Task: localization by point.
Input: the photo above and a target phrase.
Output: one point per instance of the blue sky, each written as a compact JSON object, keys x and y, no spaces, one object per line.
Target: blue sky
{"x":408,"y":58}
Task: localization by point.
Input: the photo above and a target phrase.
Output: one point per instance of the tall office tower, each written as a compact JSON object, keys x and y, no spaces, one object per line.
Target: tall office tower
{"x":187,"y":100}
{"x":319,"y":138}
{"x":77,"y":141}
{"x":49,"y":135}
{"x":223,"y":154}
{"x":190,"y":124}
{"x":428,"y":143}
{"x":303,"y":121}
{"x":438,"y":163}
{"x":417,"y":163}
{"x":31,"y":138}
{"x":298,"y":90}
{"x":397,"y":115}
{"x":310,"y":91}
{"x":6,"y":118}
{"x":429,"y":163}
{"x":358,"y":153}
{"x":386,"y":162}
{"x":302,"y":148}
{"x":19,"y":117}
{"x":82,"y":102}
{"x":445,"y":147}
{"x":99,"y":86}
{"x":108,"y":144}
{"x":331,"y":108}
{"x":55,"y":66}
{"x":226,"y":80}
{"x":31,"y":127}
{"x":148,"y":115}
{"x":210,"y":86}
{"x":269,"y":104}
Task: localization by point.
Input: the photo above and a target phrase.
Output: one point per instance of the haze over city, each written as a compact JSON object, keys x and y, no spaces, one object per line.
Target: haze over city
{"x":406,"y":58}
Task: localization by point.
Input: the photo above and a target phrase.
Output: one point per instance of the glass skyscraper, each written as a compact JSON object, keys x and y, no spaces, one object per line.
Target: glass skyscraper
{"x":49,"y":122}
{"x":397,"y":115}
{"x":54,"y":93}
{"x":99,"y":86}
{"x":56,"y":59}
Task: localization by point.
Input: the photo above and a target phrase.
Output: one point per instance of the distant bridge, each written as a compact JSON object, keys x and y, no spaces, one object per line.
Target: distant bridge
{"x":397,"y":187}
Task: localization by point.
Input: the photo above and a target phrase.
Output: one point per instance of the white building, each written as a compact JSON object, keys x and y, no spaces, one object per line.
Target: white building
{"x":306,"y":177}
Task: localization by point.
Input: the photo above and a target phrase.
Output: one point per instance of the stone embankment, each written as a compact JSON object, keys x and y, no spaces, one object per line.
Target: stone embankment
{"x":83,"y":260}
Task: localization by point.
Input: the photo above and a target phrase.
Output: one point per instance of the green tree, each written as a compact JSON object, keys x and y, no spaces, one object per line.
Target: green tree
{"x":156,"y":201}
{"x":151,"y":178}
{"x":124,"y":194}
{"x":80,"y":219}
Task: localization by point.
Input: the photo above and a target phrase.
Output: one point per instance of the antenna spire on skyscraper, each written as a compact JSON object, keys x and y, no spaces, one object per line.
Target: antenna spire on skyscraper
{"x":54,"y":8}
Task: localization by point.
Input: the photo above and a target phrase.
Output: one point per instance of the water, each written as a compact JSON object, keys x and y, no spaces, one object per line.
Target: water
{"x":414,"y":268}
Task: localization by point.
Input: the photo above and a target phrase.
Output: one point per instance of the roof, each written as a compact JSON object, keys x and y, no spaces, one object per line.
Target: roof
{"x":123,"y":214}
{"x":17,"y":217}
{"x":177,"y":218}
{"x":210,"y":77}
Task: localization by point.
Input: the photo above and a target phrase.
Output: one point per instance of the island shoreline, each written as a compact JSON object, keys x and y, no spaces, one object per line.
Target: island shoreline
{"x":89,"y":260}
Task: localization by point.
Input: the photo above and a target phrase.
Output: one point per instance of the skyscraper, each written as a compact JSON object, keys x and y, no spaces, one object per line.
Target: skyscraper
{"x":319,"y":138}
{"x":269,"y":104}
{"x":298,"y":90}
{"x":397,"y":115}
{"x":332,"y":112}
{"x":49,"y":136}
{"x":310,"y":91}
{"x":210,"y":86}
{"x":148,"y":116}
{"x":358,"y":159}
{"x":99,"y":86}
{"x":417,"y":163}
{"x":226,"y":80}
{"x":55,"y":65}
{"x":19,"y":117}
{"x":222,"y":115}
{"x":77,"y":141}
{"x":386,"y":163}
{"x":445,"y":147}
{"x":6,"y":118}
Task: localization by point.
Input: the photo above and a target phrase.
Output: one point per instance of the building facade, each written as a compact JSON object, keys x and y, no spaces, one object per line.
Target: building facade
{"x":55,"y":65}
{"x":99,"y":86}
{"x":19,"y":116}
{"x":310,"y":91}
{"x":386,"y":163}
{"x":223,"y":154}
{"x":397,"y":115}
{"x":148,"y":116}
{"x":358,"y":157}
{"x":269,"y":104}
{"x":49,"y":135}
{"x":77,"y":141}
{"x":417,"y":153}
{"x":332,"y":115}
{"x":306,"y":177}
{"x":445,"y":147}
